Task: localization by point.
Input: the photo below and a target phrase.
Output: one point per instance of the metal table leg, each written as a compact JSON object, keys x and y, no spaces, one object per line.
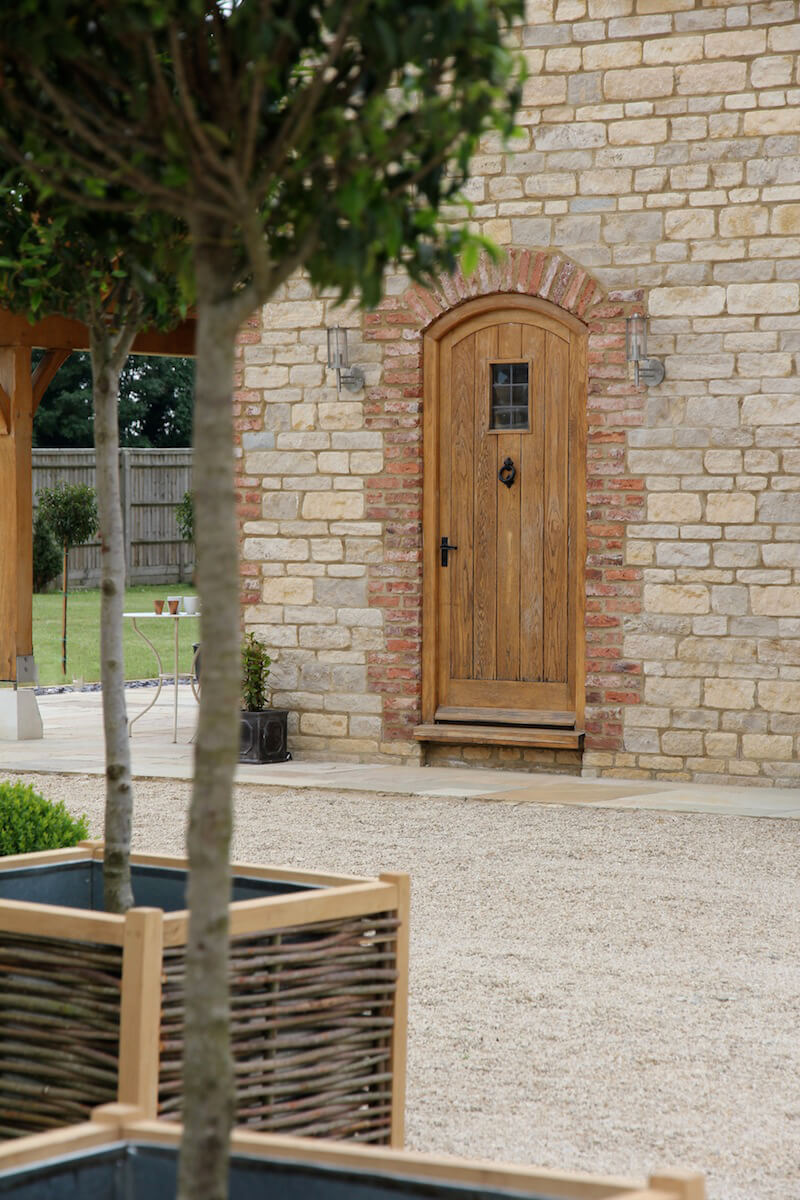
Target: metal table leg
{"x":145,"y":638}
{"x":176,"y":623}
{"x":193,"y":679}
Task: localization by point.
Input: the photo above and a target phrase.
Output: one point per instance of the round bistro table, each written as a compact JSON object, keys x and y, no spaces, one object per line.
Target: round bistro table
{"x":162,"y":675}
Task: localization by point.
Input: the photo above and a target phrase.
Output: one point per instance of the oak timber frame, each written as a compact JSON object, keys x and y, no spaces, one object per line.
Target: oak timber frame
{"x":112,"y":1123}
{"x":21,"y":391}
{"x":505,"y":732}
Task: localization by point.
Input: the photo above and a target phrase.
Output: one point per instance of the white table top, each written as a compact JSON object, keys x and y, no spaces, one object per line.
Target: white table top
{"x":166,"y":613}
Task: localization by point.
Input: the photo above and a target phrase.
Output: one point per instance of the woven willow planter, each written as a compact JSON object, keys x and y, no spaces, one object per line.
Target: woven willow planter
{"x":118,"y":1155}
{"x":91,"y":1003}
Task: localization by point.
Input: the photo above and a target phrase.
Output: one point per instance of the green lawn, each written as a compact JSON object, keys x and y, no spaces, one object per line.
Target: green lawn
{"x":83,"y":635}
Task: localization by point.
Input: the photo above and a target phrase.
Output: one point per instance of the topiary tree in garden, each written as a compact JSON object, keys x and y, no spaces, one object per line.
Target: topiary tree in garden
{"x":117,"y":276}
{"x":70,"y":510}
{"x":285,"y":134}
{"x":46,"y":554}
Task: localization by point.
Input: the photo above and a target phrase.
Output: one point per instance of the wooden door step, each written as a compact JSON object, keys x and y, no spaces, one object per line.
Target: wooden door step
{"x":533,"y":718}
{"x":495,"y":735}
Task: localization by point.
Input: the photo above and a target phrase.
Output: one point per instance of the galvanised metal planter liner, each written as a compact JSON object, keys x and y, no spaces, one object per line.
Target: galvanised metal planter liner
{"x":91,"y":1003}
{"x":115,"y":1157}
{"x":79,"y":884}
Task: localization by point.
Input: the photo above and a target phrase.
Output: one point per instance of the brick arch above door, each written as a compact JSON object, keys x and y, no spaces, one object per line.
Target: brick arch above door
{"x":614,"y":498}
{"x":543,"y":274}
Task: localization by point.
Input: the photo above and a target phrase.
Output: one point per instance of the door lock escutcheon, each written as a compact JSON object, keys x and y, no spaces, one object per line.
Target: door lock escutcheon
{"x":445,"y":548}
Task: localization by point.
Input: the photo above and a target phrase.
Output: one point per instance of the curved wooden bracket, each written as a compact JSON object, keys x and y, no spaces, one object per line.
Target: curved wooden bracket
{"x":45,"y":373}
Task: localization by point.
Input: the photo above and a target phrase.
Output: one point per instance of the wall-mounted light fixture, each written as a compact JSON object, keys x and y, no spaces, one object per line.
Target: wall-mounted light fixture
{"x":339,"y":361}
{"x":649,"y":370}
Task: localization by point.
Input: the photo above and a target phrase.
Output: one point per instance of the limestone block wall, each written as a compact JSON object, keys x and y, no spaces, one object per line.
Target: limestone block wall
{"x":660,"y":152}
{"x":306,"y":458}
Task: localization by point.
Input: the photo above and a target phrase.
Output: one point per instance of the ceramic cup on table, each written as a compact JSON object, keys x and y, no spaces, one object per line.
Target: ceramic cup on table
{"x":174,"y":604}
{"x":190,"y":605}
{"x":158,"y":605}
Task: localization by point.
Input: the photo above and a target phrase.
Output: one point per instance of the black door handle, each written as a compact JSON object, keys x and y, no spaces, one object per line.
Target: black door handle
{"x":445,"y":548}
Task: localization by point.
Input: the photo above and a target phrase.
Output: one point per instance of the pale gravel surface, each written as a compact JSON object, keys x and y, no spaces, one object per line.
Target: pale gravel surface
{"x":590,"y":989}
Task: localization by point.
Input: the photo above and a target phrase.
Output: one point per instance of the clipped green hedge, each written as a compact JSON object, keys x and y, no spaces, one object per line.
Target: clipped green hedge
{"x":29,"y":822}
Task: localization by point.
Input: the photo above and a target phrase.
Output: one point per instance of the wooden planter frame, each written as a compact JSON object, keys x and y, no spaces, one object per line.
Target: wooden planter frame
{"x":145,"y":936}
{"x":114,"y":1122}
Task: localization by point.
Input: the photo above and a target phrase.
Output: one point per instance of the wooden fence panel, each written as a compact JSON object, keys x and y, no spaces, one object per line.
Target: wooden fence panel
{"x":153,"y":482}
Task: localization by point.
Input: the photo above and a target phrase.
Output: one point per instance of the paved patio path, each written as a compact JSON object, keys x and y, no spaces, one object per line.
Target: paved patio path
{"x":74,"y":742}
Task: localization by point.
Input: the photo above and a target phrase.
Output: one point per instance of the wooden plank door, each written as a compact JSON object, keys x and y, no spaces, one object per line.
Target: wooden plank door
{"x":506,"y":598}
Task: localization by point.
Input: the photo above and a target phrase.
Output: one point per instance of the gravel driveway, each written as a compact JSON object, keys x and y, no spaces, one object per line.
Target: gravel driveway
{"x":590,"y":989}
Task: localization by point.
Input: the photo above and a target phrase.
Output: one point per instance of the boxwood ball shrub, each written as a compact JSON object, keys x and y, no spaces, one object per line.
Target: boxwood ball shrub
{"x":30,"y":822}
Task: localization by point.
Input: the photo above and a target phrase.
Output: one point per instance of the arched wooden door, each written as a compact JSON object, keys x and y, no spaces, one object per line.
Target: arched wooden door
{"x":505,"y":385}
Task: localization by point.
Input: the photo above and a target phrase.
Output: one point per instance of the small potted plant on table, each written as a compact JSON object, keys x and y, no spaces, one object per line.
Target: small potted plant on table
{"x":264,"y":734}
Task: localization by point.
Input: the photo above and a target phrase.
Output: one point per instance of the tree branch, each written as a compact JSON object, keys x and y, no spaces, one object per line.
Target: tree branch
{"x":248,"y":151}
{"x":160,"y":89}
{"x":85,"y":122}
{"x":296,"y":121}
{"x":54,"y":133}
{"x":187,"y":105}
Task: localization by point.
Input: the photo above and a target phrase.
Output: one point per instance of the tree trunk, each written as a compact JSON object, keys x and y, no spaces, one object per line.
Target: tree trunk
{"x":64,"y":582}
{"x":207,"y":1067}
{"x":109,"y":351}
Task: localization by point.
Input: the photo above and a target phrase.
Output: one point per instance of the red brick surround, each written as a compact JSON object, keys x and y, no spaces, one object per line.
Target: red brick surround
{"x":613,"y":590}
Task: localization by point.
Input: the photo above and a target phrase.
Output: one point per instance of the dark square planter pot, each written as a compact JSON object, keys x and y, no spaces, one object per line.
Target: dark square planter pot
{"x":263,"y":736}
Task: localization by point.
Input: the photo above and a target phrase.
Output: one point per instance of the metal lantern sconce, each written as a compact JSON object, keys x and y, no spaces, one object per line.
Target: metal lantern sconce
{"x":339,"y":361}
{"x":649,"y":370}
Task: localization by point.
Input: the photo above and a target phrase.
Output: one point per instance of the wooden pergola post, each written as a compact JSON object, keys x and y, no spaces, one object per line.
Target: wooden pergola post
{"x":19,"y":714}
{"x":20,"y":393}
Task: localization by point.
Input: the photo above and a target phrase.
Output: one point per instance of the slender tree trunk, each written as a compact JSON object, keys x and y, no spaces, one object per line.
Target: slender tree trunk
{"x":109,"y":351}
{"x":207,"y":1067}
{"x":64,"y":582}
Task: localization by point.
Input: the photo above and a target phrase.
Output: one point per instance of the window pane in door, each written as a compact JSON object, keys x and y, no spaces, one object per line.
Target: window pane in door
{"x":509,"y":396}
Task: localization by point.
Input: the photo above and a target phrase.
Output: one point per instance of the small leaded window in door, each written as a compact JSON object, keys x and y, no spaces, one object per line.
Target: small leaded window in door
{"x":509,"y":400}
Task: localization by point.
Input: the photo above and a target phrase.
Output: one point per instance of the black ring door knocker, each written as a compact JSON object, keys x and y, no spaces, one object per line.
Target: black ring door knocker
{"x":507,"y":473}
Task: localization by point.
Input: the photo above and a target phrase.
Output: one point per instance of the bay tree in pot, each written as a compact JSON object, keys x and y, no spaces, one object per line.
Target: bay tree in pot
{"x":263,"y":729}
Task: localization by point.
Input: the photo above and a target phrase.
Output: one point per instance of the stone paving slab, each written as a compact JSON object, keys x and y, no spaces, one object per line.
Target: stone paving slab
{"x":73,"y":744}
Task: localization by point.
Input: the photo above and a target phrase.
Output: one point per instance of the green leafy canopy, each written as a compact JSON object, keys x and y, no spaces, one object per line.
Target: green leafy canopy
{"x":155,"y":404}
{"x":328,"y":134}
{"x":57,"y":257}
{"x":70,"y":510}
{"x":46,"y":553}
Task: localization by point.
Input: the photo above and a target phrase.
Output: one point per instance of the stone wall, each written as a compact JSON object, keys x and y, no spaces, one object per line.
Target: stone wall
{"x":307,"y":539}
{"x":660,"y":151}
